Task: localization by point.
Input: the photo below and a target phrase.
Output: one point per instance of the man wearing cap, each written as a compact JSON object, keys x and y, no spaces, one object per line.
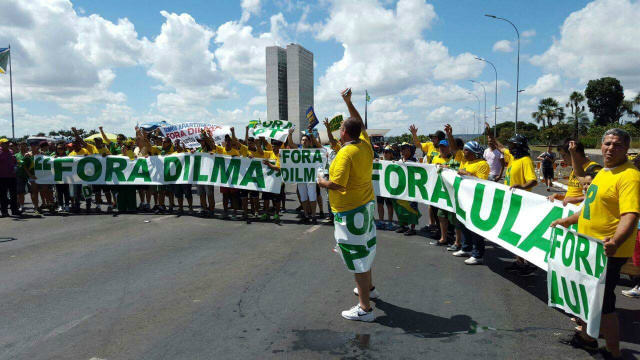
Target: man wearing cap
{"x":7,"y":180}
{"x":352,"y":201}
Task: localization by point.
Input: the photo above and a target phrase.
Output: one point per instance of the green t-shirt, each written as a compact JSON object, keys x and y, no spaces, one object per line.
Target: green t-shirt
{"x":115,"y":149}
{"x":23,"y":162}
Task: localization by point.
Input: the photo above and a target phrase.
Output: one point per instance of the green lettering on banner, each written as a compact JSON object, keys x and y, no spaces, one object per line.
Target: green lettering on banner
{"x":496,"y":208}
{"x":297,"y":176}
{"x":535,"y":238}
{"x":418,"y":182}
{"x":197,"y":162}
{"x":575,"y":307}
{"x":353,"y":252}
{"x":601,"y":261}
{"x":440,"y":192}
{"x":555,"y":243}
{"x":351,"y":223}
{"x":225,"y":173}
{"x":456,"y":189}
{"x":376,"y":166}
{"x":514,"y":209}
{"x":309,"y":175}
{"x":97,"y":166}
{"x":585,"y":301}
{"x":254,"y":175}
{"x":46,"y":166}
{"x":59,"y":167}
{"x":306,"y":156}
{"x":402,"y":179}
{"x":286,"y":155}
{"x":317,"y":157}
{"x":111,"y":168}
{"x":187,"y":163}
{"x":554,"y":296}
{"x":567,"y":255}
{"x":588,"y":199}
{"x":177,"y":166}
{"x":37,"y":164}
{"x":140,"y":171}
{"x":582,"y":254}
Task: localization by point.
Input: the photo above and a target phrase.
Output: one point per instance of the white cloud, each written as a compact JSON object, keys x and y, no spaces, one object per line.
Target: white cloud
{"x":249,"y":7}
{"x":528,"y":33}
{"x":384,"y":50}
{"x":546,"y":85}
{"x":503,"y":46}
{"x":599,"y":40}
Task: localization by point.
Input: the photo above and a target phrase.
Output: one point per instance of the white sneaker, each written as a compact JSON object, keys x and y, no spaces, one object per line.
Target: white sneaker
{"x":373,"y":294}
{"x":59,"y":209}
{"x":461,"y":253}
{"x":473,"y":261}
{"x":356,"y":313}
{"x":632,"y":293}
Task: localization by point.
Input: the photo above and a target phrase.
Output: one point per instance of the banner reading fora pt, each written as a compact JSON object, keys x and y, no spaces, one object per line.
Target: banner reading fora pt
{"x":302,"y":165}
{"x":271,"y":130}
{"x":201,"y":169}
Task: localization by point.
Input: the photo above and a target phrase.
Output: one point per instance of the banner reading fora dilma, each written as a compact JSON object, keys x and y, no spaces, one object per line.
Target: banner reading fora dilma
{"x":302,"y":165}
{"x":201,"y":169}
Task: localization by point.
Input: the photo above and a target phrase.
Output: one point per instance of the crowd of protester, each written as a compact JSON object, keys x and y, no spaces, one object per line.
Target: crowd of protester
{"x":511,"y":164}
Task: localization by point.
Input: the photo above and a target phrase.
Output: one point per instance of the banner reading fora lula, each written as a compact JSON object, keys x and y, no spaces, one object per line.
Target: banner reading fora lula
{"x":201,"y":169}
{"x":302,"y":165}
{"x":517,"y":220}
{"x":577,"y":269}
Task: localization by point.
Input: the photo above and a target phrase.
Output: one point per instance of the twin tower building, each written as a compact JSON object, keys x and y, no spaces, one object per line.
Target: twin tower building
{"x":289,"y":85}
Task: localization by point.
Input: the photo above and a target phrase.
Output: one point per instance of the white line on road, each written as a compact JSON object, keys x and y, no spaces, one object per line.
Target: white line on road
{"x":312,"y":229}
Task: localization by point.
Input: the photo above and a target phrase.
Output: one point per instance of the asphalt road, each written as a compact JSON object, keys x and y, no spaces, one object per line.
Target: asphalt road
{"x":163,"y":287}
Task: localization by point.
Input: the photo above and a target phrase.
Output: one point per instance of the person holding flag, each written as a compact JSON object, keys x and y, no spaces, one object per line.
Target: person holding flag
{"x":353,"y":203}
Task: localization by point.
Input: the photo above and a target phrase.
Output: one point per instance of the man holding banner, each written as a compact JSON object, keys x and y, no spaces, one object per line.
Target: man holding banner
{"x":610,"y":212}
{"x":352,"y":201}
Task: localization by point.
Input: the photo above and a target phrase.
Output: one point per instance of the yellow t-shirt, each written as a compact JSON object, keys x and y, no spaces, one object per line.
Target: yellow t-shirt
{"x":430,"y":151}
{"x":508,"y":158}
{"x":102,"y":151}
{"x":438,"y":159}
{"x":223,"y":151}
{"x":352,"y":168}
{"x":520,"y":171}
{"x":245,"y":152}
{"x":478,"y":168}
{"x":90,"y":150}
{"x":612,"y":193}
{"x":154,"y":151}
{"x":336,"y":146}
{"x":574,"y":189}
{"x":272,"y":156}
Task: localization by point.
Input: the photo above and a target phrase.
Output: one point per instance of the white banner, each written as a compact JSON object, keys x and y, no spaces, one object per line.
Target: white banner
{"x":302,"y":165}
{"x":577,"y":269}
{"x":198,"y":168}
{"x":273,"y":129}
{"x":189,"y":133}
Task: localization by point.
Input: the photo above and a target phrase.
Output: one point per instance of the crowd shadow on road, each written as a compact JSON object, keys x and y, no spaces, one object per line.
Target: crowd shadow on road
{"x":7,"y":239}
{"x":421,"y":324}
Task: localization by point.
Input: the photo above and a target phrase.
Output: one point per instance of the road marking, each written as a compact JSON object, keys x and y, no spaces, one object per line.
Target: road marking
{"x":162,"y":218}
{"x":97,"y":358}
{"x":313,"y":228}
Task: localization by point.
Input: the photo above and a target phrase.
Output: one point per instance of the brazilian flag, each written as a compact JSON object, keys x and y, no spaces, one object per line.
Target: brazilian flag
{"x":4,"y":59}
{"x":407,"y":212}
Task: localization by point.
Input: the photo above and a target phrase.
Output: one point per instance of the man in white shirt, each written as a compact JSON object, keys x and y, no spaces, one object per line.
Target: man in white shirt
{"x":495,"y":158}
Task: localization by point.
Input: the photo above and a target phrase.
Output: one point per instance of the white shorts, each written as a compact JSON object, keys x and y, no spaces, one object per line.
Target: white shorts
{"x":307,"y":192}
{"x":355,"y":233}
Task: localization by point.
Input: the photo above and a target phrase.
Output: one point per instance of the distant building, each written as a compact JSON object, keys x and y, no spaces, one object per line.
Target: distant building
{"x":289,"y":85}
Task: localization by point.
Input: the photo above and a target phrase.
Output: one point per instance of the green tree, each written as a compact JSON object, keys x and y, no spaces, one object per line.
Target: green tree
{"x":578,"y":116}
{"x":554,"y":135}
{"x":539,"y":118}
{"x":604,"y":98}
{"x":550,"y":110}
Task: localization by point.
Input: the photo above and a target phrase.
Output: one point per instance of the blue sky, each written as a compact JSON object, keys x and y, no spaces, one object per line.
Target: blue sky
{"x":115,"y":63}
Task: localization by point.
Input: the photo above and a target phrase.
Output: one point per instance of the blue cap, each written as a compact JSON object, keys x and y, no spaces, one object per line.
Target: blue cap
{"x":443,"y":143}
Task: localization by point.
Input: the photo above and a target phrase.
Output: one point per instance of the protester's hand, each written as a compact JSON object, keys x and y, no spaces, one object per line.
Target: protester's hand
{"x":551,"y":198}
{"x":100,"y":127}
{"x":463,"y":172}
{"x":326,"y":124}
{"x":564,"y":222}
{"x":104,"y":154}
{"x":413,"y":129}
{"x":487,"y":128}
{"x":516,"y":187}
{"x":448,"y":130}
{"x":610,"y":247}
{"x":565,"y":202}
{"x":233,"y":130}
{"x":210,"y":152}
{"x":346,"y":95}
{"x":572,"y":147}
{"x":266,"y":162}
{"x":291,"y":130}
{"x":73,"y":129}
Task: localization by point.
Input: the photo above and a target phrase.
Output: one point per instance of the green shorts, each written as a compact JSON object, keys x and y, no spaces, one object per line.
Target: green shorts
{"x":449,"y":216}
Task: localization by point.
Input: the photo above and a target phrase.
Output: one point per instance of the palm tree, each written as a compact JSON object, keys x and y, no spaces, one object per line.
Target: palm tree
{"x":550,"y":109}
{"x":578,"y":116}
{"x":539,"y":118}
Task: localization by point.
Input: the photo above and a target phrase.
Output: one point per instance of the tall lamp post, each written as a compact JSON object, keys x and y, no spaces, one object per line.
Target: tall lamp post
{"x":470,"y":93}
{"x":485,"y":101}
{"x":518,"y":66}
{"x":495,"y":111}
{"x":474,"y":116}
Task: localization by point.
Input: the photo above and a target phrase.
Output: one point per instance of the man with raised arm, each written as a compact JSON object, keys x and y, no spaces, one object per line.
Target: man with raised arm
{"x":610,"y":212}
{"x":352,"y":201}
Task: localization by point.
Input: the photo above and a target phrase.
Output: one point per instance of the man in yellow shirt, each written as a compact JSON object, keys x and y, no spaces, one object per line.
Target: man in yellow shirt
{"x":579,"y":160}
{"x":473,"y":165}
{"x":352,"y":201}
{"x":81,"y":148}
{"x":251,"y":151}
{"x":610,"y":212}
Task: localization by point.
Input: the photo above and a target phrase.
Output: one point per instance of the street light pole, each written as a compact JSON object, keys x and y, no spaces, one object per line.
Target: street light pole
{"x":518,"y":66}
{"x":485,"y":103}
{"x":495,"y":111}
{"x":474,"y":117}
{"x":470,"y":93}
